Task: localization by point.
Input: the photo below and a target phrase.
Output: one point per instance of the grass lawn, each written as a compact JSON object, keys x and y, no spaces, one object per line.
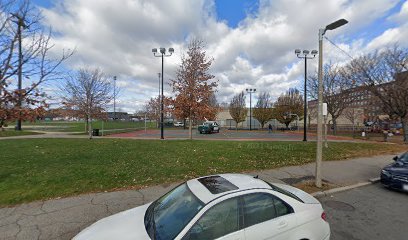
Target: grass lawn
{"x":65,"y":126}
{"x":10,"y":133}
{"x":33,"y":169}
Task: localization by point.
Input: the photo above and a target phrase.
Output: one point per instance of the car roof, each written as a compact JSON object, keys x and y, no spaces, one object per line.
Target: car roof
{"x":234,"y":183}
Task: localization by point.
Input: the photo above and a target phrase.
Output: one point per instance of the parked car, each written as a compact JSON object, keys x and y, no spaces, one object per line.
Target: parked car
{"x":395,"y":175}
{"x":209,"y":127}
{"x":225,"y":206}
{"x":179,"y":124}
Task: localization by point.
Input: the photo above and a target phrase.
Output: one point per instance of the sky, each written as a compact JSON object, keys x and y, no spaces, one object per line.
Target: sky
{"x":252,"y":42}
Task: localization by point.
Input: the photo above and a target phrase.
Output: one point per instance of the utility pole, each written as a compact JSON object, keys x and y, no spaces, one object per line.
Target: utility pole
{"x":319,"y":149}
{"x":250,"y":91}
{"x":20,"y":24}
{"x":114,"y":98}
{"x":162,"y":55}
{"x":305,"y":56}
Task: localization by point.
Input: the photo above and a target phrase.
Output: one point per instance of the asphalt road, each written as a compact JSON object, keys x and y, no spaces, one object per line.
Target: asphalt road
{"x":370,"y":212}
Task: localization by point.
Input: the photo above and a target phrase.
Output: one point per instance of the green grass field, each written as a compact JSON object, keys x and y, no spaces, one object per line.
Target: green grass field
{"x":11,"y":133}
{"x":33,"y":169}
{"x":65,"y":126}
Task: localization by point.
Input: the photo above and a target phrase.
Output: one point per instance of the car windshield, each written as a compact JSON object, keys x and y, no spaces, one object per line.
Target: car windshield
{"x":168,"y":215}
{"x":404,"y":158}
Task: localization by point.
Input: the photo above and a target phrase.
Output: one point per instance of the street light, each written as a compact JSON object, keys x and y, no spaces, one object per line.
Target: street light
{"x":20,"y":21}
{"x":114,"y":98}
{"x":250,"y":91}
{"x":162,"y":54}
{"x":305,"y":56}
{"x":319,"y":149}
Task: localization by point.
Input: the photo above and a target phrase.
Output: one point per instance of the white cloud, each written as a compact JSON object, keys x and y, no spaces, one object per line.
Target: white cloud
{"x":118,"y":35}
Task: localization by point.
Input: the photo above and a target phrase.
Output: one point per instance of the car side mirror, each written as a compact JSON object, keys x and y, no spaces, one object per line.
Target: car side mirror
{"x":395,"y":158}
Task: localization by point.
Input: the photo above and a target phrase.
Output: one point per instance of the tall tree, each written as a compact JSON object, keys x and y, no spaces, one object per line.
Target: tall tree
{"x":194,"y":86}
{"x":152,"y":108}
{"x":353,"y":114}
{"x":87,"y":94}
{"x":263,"y":111}
{"x":385,"y":74}
{"x":24,"y":52}
{"x":289,"y":107}
{"x":237,"y":108}
{"x":337,"y":91}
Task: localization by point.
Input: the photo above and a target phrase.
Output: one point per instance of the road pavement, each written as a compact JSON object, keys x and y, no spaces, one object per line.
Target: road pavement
{"x":64,"y":218}
{"x":369,"y":212}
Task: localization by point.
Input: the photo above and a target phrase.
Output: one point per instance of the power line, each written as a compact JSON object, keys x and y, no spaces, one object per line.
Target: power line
{"x":348,"y":55}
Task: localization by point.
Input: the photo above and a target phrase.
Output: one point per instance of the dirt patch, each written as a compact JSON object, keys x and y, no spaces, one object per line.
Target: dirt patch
{"x":310,"y":187}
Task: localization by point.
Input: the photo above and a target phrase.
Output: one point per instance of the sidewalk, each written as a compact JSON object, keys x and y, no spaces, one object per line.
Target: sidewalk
{"x":64,"y":218}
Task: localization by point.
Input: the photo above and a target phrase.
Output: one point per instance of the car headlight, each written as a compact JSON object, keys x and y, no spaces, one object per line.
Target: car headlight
{"x":386,"y":173}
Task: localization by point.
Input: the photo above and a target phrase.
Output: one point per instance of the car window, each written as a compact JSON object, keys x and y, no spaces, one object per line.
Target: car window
{"x":218,"y":221}
{"x":404,"y":157}
{"x":258,"y":208}
{"x":281,"y":207}
{"x":261,"y":207}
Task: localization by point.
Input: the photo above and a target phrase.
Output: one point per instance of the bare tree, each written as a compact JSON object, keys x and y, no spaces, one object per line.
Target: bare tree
{"x":87,"y":94}
{"x":337,"y":91}
{"x":263,"y":111}
{"x":237,"y":108}
{"x":385,"y":74}
{"x":193,"y":86}
{"x":152,"y":108}
{"x":353,"y":114}
{"x":289,"y":106}
{"x":24,"y":52}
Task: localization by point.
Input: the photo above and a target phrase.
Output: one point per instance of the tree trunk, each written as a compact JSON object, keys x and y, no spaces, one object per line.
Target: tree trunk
{"x":334,"y":120}
{"x":405,"y":129}
{"x":354,"y":130}
{"x":287,"y":124}
{"x":86,"y":124}
{"x":190,"y":127}
{"x":90,"y":127}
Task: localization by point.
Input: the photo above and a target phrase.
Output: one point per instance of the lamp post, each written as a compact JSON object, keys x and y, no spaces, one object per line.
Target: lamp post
{"x":114,"y":98}
{"x":20,"y":25}
{"x":305,"y":56}
{"x":319,"y":149}
{"x":250,"y":91}
{"x":162,"y":54}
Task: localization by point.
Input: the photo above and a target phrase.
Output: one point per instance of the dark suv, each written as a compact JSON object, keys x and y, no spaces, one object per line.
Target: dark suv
{"x":395,"y":175}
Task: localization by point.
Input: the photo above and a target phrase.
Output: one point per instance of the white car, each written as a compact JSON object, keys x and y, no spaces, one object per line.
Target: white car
{"x":179,"y":124}
{"x":225,"y":206}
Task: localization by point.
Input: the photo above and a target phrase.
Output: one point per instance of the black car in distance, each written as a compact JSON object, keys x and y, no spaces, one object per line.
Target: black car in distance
{"x":395,"y":175}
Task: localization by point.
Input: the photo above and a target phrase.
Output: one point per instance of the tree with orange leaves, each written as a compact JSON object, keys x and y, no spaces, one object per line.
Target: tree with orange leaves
{"x":194,"y":86}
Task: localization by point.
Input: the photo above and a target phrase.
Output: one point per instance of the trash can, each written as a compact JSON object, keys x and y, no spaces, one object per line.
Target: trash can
{"x":95,"y":132}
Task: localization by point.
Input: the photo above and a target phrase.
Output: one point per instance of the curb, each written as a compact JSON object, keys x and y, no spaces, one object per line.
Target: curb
{"x":374,"y":180}
{"x":341,"y":189}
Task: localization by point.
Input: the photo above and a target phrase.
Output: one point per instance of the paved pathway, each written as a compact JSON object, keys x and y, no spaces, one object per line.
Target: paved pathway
{"x":64,"y":218}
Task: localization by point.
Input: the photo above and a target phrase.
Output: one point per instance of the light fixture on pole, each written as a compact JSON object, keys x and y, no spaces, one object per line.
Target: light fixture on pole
{"x":250,"y":91}
{"x":306,"y":57}
{"x":162,"y":54}
{"x":20,"y":21}
{"x":114,"y":98}
{"x":319,"y":149}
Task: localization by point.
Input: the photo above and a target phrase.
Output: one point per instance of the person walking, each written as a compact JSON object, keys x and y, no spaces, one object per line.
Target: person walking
{"x":270,"y":128}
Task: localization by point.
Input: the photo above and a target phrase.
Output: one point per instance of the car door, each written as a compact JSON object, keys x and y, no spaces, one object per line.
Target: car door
{"x":267,"y":217}
{"x":222,"y":221}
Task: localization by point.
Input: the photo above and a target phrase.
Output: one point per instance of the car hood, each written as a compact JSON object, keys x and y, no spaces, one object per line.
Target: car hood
{"x":397,"y":169}
{"x":126,"y":225}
